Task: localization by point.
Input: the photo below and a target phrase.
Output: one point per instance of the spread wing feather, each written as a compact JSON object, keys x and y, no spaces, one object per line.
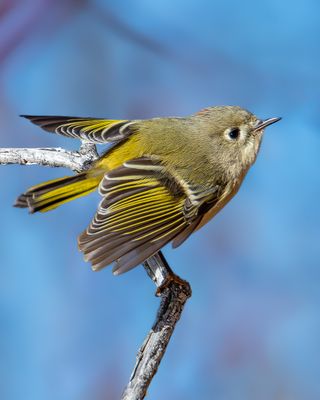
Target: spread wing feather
{"x":137,"y":216}
{"x":198,"y":202}
{"x":92,"y":130}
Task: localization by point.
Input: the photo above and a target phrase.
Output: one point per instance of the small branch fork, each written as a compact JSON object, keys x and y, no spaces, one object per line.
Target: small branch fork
{"x":173,"y":291}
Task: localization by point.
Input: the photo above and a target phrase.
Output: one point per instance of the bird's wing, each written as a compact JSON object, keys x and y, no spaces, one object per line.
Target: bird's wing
{"x":142,"y":209}
{"x":197,"y":204}
{"x":92,"y":130}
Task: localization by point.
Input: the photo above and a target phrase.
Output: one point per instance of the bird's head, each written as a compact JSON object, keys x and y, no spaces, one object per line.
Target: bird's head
{"x":235,"y":134}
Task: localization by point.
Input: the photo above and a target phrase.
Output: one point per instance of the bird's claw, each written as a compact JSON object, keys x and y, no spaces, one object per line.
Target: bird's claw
{"x":167,"y":282}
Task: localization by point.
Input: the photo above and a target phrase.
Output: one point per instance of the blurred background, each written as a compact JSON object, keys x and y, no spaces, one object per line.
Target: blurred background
{"x":251,"y":330}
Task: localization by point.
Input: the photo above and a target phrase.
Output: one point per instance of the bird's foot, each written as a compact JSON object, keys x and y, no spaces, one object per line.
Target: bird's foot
{"x":171,"y":278}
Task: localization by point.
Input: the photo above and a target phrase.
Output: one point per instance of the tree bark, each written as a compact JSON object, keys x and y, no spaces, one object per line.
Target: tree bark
{"x":173,"y":295}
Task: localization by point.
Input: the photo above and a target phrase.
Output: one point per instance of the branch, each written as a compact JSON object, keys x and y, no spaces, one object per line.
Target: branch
{"x":173,"y":298}
{"x":174,"y":291}
{"x":75,"y":160}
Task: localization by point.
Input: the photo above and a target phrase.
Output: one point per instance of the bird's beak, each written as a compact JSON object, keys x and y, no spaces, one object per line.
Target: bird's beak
{"x":265,"y":123}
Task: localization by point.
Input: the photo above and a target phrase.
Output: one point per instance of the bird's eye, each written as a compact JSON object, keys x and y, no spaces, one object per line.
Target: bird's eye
{"x":234,"y":133}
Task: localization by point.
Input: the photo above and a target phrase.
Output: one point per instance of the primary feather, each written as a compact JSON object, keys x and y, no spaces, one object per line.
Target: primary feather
{"x":92,"y":130}
{"x":138,"y":215}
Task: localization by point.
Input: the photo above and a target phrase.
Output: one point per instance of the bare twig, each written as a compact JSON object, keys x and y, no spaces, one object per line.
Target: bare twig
{"x":173,"y":291}
{"x":173,"y":299}
{"x":74,"y":160}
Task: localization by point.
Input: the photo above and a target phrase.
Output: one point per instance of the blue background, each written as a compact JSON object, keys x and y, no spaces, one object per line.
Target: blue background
{"x":251,"y":330}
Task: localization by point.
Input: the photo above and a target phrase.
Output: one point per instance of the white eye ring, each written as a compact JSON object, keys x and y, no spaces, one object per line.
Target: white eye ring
{"x":233,"y":134}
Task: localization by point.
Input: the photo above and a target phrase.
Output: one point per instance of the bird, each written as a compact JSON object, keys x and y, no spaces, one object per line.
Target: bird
{"x":161,"y":179}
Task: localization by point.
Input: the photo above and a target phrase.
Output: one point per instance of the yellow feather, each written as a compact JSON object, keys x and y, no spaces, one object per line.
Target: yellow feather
{"x":44,"y":184}
{"x":138,"y":199}
{"x":128,"y":150}
{"x":161,"y":229}
{"x":142,"y":209}
{"x":132,"y":186}
{"x":112,"y":226}
{"x":52,"y":207}
{"x":171,"y":230}
{"x":155,"y":223}
{"x":72,"y":188}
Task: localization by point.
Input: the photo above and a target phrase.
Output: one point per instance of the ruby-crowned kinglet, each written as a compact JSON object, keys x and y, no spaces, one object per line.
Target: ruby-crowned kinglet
{"x":162,"y":179}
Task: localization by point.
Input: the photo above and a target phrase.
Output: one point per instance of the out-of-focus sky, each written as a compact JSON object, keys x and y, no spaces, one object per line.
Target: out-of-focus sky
{"x":251,"y":330}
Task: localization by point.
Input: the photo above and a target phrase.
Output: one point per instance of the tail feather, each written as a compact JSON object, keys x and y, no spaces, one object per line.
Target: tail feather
{"x":21,"y":201}
{"x":49,"y":195}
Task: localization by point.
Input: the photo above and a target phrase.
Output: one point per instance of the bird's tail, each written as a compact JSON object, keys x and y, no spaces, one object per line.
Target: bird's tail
{"x":51,"y":194}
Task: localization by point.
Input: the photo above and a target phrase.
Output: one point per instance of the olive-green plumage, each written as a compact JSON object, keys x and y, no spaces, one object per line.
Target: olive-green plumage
{"x":162,"y":179}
